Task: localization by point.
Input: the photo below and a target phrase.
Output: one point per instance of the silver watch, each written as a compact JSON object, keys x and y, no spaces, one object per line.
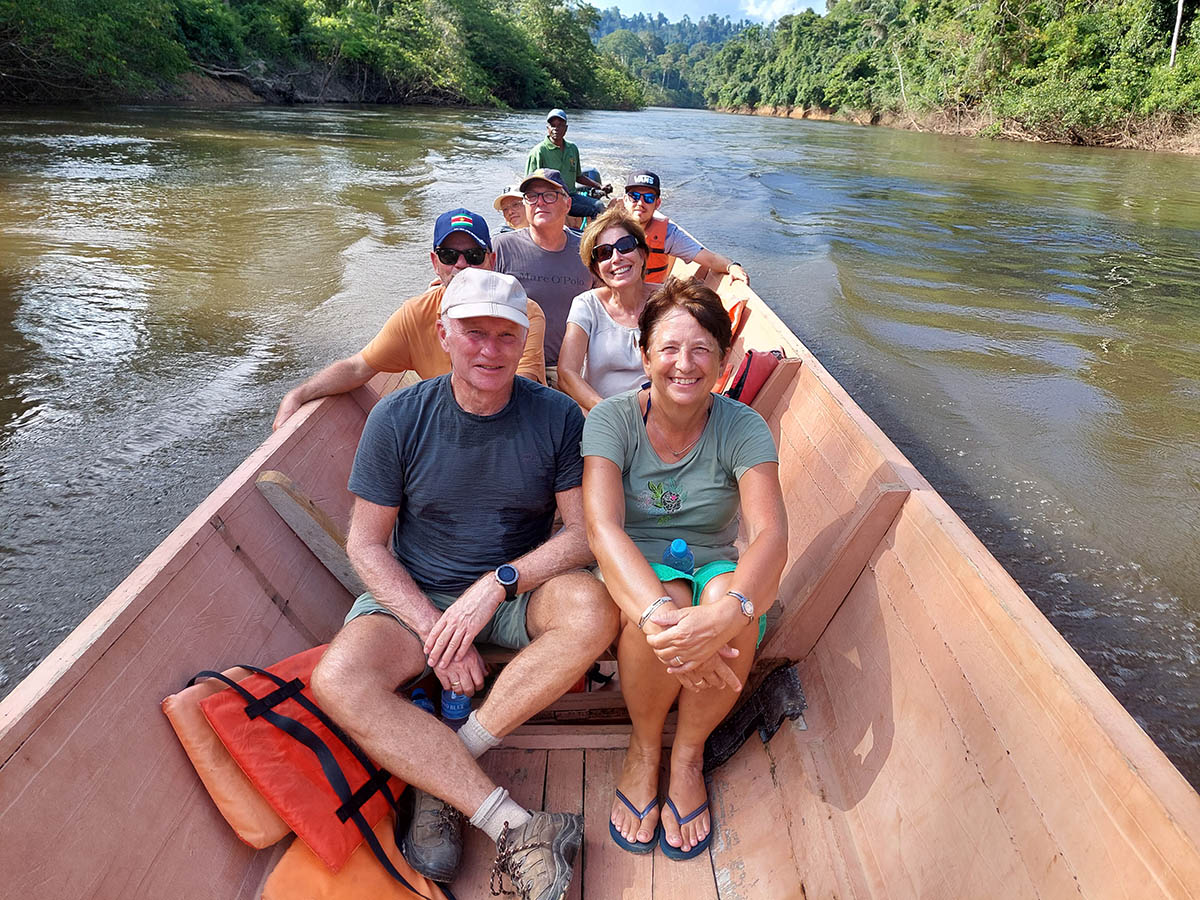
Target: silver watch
{"x":744,"y":602}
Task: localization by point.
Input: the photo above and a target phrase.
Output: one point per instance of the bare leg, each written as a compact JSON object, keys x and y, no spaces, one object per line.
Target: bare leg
{"x":649,"y":692}
{"x":699,"y":713}
{"x":355,"y":683}
{"x":571,"y":620}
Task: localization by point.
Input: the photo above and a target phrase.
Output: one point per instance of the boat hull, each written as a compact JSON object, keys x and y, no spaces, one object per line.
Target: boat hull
{"x":954,"y":746}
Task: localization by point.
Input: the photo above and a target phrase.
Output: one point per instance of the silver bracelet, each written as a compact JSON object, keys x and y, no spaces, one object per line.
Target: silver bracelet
{"x":650,"y":611}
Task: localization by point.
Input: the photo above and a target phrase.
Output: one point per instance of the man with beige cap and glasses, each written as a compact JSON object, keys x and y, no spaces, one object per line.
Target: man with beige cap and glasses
{"x":456,"y":482}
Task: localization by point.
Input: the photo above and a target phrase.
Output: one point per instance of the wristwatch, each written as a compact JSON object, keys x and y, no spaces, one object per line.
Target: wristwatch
{"x":744,"y":602}
{"x":506,"y":577}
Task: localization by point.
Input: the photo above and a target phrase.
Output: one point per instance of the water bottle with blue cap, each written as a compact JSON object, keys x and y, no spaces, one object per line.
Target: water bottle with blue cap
{"x":679,"y":557}
{"x":456,"y":708}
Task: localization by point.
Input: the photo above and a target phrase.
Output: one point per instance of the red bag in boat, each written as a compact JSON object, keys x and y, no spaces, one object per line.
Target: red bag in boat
{"x":752,"y":374}
{"x":313,"y":775}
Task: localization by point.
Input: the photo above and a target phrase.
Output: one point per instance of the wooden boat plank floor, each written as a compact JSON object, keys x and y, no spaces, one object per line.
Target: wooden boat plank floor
{"x":583,"y":781}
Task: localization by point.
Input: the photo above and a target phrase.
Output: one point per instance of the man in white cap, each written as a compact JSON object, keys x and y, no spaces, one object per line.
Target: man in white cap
{"x":408,"y":340}
{"x":456,"y":482}
{"x":557,"y":153}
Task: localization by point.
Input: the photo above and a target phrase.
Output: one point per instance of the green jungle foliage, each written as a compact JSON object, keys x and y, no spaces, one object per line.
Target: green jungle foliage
{"x":1074,"y":70}
{"x":1052,"y":69}
{"x":523,"y":53}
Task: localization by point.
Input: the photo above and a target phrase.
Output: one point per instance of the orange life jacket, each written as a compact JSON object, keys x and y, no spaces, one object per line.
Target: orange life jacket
{"x":658,"y":263}
{"x":316,"y":778}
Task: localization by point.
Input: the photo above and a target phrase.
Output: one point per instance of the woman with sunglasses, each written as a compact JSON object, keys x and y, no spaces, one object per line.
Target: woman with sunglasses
{"x":600,"y":355}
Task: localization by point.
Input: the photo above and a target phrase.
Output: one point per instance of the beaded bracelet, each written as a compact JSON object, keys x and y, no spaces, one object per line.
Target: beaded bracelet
{"x":650,"y":611}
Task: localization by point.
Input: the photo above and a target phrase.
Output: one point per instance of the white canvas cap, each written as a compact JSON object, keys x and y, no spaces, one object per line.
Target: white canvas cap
{"x":480,"y":292}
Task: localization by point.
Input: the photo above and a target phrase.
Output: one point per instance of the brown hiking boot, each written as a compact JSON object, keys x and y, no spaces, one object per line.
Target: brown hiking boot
{"x":538,"y":856}
{"x":433,"y":842}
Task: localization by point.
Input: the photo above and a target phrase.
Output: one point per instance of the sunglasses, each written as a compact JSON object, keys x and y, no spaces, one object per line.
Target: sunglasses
{"x":647,"y":197}
{"x":449,"y":256}
{"x":625,"y":244}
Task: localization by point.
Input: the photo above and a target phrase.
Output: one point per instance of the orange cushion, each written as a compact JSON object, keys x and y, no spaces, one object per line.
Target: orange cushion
{"x":243,"y":807}
{"x":299,"y":875}
{"x":285,"y":771}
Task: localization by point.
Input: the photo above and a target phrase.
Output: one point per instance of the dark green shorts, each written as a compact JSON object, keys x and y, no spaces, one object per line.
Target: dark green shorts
{"x":700,"y":579}
{"x":506,"y":628}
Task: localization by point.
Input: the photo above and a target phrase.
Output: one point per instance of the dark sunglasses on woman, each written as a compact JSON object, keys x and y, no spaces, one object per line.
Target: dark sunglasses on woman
{"x":449,"y":256}
{"x":625,"y":244}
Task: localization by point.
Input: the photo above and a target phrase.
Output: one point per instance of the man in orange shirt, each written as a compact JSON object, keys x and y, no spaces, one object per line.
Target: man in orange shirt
{"x":408,"y":340}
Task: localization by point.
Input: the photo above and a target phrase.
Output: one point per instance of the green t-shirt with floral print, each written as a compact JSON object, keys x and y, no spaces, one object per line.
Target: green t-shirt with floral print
{"x":696,"y":498}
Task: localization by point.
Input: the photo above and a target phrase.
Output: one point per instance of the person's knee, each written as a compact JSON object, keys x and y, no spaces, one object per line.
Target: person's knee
{"x":584,"y":605}
{"x":716,"y":587}
{"x":332,"y":685}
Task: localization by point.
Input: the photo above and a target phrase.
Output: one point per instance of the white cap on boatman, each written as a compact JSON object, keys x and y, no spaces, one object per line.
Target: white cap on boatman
{"x":481,"y":292}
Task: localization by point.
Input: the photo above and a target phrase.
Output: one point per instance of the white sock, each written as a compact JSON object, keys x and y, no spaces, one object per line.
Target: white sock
{"x":477,"y":738}
{"x":498,"y":810}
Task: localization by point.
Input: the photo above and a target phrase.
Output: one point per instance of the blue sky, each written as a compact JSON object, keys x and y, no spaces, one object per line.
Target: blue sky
{"x":755,"y":10}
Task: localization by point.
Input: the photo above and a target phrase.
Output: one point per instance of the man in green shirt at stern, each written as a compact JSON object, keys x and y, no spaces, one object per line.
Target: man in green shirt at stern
{"x":556,"y":152}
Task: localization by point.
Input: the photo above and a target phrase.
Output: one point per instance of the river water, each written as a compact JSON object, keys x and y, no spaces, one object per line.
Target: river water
{"x":1023,"y":320}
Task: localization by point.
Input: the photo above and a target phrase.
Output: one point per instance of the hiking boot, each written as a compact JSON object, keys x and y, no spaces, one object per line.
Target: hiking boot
{"x":433,"y":842}
{"x":538,"y":856}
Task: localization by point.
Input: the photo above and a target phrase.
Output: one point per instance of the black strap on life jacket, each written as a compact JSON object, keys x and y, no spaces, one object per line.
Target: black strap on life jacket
{"x":352,"y":803}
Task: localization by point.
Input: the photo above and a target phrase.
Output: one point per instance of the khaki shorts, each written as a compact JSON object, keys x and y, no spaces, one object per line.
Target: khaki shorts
{"x":552,"y":377}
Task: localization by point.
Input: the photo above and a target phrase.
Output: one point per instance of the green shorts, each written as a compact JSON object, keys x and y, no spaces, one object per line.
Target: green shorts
{"x":506,"y":628}
{"x":700,"y":579}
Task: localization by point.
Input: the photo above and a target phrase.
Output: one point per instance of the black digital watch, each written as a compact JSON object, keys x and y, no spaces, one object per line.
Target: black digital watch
{"x":506,"y":576}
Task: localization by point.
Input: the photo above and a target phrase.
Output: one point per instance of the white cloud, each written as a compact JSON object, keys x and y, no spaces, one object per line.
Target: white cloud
{"x":770,"y":10}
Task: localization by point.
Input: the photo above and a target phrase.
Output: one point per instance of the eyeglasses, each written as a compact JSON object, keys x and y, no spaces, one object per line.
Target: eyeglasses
{"x":625,"y":244}
{"x":449,"y":256}
{"x":647,"y":197}
{"x":547,"y":197}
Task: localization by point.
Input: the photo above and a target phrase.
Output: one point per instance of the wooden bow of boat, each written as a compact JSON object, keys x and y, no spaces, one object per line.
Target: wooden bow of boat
{"x":954,"y":745}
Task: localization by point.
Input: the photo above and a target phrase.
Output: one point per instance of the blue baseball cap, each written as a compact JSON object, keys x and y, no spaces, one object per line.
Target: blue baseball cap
{"x":556,"y":114}
{"x":462,"y":220}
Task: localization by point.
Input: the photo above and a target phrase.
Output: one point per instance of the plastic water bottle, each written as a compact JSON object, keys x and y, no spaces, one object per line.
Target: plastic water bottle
{"x":421,"y":699}
{"x":679,"y":557}
{"x":455,"y":709}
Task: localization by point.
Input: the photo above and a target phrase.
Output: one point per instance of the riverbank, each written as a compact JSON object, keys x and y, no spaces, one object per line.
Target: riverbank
{"x":1167,"y":133}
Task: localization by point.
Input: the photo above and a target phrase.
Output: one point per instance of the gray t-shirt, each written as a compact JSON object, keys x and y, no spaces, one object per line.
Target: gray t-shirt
{"x":551,"y":278}
{"x":473,"y":492}
{"x":681,"y":244}
{"x":614,"y":361}
{"x":696,"y":498}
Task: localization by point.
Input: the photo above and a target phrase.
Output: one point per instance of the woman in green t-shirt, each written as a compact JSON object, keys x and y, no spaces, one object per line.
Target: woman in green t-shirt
{"x":676,"y":461}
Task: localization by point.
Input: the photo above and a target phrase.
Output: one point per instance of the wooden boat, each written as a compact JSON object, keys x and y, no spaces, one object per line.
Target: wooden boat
{"x":953,"y":747}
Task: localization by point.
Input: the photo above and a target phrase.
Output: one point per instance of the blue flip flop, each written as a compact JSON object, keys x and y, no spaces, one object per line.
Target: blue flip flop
{"x":674,"y":852}
{"x":635,"y":846}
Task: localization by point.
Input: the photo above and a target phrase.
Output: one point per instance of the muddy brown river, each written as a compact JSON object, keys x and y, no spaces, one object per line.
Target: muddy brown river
{"x":1023,"y":320}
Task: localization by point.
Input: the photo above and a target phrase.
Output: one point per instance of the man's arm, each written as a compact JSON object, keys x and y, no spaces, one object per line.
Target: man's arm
{"x":452,"y":638}
{"x":722,"y":265}
{"x":533,"y":359}
{"x":590,"y":182}
{"x":369,"y":547}
{"x":344,"y":375}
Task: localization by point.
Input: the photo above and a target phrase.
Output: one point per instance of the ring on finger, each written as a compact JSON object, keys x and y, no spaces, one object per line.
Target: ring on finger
{"x":677,"y":661}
